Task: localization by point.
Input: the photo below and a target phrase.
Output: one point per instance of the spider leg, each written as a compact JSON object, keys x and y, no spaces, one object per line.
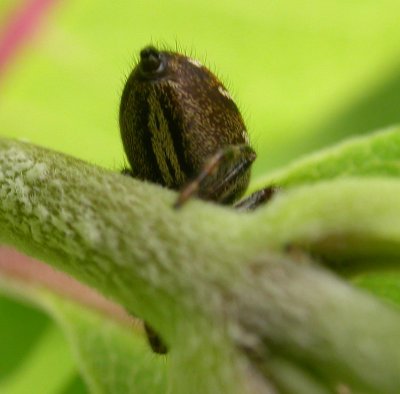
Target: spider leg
{"x":234,"y":160}
{"x":256,"y":199}
{"x":155,"y":341}
{"x":223,"y":188}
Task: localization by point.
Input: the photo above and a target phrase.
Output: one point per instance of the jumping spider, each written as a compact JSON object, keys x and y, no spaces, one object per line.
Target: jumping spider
{"x":181,"y":129}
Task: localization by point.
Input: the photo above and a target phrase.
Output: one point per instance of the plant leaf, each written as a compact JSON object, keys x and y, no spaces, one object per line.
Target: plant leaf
{"x":373,"y":155}
{"x":112,"y":357}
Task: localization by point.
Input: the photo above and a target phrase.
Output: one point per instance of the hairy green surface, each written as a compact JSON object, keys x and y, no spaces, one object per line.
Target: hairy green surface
{"x":201,"y":275}
{"x":375,"y":155}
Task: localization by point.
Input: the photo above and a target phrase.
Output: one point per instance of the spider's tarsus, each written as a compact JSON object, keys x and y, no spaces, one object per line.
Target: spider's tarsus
{"x":186,"y":193}
{"x":257,"y":199}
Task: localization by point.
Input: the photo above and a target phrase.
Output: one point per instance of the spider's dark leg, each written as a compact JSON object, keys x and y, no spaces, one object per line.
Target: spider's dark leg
{"x":256,"y":199}
{"x":218,"y":180}
{"x":154,"y":340}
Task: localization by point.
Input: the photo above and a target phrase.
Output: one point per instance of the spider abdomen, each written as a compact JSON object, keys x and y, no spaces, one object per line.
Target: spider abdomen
{"x":175,"y":115}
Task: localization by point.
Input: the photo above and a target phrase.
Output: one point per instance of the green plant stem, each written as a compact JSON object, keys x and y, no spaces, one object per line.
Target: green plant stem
{"x":213,"y":282}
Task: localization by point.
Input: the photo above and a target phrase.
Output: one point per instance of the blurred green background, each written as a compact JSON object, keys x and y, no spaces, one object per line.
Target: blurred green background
{"x":305,"y":74}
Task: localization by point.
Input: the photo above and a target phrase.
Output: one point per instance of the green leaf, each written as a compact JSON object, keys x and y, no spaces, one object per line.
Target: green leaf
{"x":385,"y":285}
{"x":41,"y":364}
{"x":374,"y":155}
{"x":347,"y":220}
{"x":19,"y":317}
{"x":113,"y":357}
{"x":377,"y":155}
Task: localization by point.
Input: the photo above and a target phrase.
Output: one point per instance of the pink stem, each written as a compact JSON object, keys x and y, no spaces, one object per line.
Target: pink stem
{"x":20,"y":28}
{"x":27,"y":270}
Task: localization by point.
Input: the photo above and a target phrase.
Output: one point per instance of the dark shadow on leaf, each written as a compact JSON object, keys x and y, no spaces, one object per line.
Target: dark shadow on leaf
{"x":378,"y":108}
{"x":75,"y":386}
{"x":20,"y":329}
